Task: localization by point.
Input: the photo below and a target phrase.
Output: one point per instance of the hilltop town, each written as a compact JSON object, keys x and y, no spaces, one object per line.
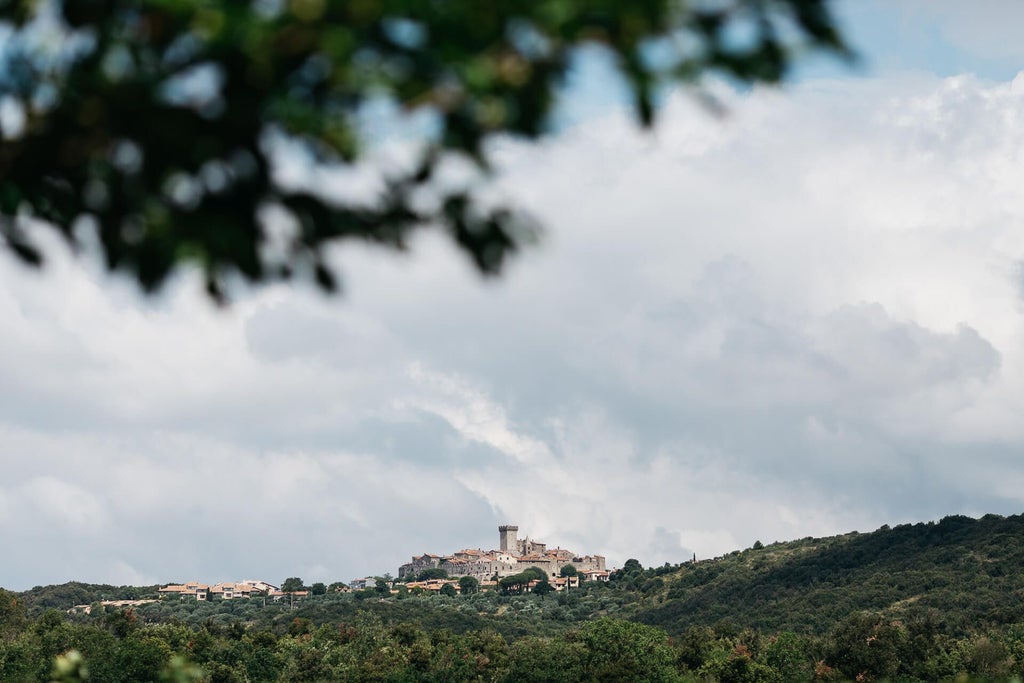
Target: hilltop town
{"x":513,"y":555}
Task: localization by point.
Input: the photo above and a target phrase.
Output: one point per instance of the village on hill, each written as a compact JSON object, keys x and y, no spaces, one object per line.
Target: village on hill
{"x":512,"y":557}
{"x":561,"y":568}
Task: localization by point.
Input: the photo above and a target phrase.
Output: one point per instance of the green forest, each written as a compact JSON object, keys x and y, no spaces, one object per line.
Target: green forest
{"x":923,"y":602}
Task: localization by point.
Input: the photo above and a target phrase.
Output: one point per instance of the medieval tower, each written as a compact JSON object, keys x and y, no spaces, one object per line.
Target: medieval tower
{"x":507,"y":534}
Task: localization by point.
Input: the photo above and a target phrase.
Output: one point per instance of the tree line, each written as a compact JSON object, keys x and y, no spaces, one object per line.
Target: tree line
{"x":122,"y":645}
{"x":932,"y":601}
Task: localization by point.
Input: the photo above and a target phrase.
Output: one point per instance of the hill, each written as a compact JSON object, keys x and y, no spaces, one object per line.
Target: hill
{"x":67,"y":595}
{"x":960,"y":572}
{"x":923,"y":602}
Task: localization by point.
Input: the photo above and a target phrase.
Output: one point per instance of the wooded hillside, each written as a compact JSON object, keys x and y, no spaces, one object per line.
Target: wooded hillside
{"x":923,"y":602}
{"x":967,"y":573}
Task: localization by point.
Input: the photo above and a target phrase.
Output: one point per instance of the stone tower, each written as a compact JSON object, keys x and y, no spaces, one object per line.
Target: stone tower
{"x":507,"y":535}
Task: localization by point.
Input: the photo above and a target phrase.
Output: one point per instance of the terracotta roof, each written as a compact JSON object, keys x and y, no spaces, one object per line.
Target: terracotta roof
{"x":233,"y":587}
{"x":431,"y":584}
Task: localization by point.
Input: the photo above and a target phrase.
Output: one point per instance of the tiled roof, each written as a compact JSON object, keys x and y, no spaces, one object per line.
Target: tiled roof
{"x":246,"y":586}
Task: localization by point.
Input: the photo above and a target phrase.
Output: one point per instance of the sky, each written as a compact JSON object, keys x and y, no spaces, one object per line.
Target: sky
{"x":801,"y":318}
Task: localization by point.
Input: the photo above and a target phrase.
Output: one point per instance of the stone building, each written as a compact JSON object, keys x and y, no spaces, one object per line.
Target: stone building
{"x":513,"y":555}
{"x":418,"y":564}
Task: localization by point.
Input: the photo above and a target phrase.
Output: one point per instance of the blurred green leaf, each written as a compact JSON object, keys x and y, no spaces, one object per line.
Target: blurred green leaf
{"x":150,"y":105}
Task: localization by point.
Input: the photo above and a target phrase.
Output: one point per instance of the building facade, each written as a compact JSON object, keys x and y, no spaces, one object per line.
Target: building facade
{"x":512,"y":556}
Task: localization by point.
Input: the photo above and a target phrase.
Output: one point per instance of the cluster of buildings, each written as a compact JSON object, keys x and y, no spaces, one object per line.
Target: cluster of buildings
{"x":228,"y":590}
{"x":514,"y":555}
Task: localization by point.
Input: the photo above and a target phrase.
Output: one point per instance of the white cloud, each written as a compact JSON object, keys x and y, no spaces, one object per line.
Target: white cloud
{"x":122,"y":573}
{"x":470,"y":412}
{"x":803,"y":319}
{"x":64,"y":504}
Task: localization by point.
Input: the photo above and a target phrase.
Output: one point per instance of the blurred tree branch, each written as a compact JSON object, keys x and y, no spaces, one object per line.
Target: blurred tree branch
{"x":157,"y":125}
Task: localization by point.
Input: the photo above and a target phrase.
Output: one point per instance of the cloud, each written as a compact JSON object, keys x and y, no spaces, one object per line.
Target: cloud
{"x":64,"y":505}
{"x":800,"y":320}
{"x":170,"y":506}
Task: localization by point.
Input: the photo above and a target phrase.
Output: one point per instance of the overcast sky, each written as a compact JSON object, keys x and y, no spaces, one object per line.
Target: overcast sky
{"x":801,"y":319}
